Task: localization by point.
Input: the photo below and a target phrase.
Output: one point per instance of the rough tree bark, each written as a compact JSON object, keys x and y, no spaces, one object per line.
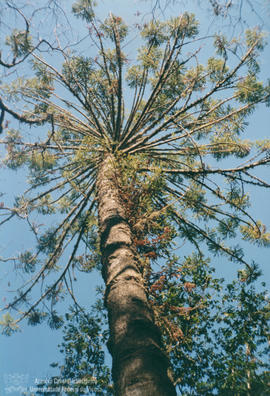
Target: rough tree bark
{"x":140,"y":365}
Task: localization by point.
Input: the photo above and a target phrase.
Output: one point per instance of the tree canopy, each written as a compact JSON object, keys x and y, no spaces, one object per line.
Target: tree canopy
{"x":172,"y":124}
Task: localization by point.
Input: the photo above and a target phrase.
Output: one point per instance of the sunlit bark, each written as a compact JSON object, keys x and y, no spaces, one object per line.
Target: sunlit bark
{"x":140,"y":366}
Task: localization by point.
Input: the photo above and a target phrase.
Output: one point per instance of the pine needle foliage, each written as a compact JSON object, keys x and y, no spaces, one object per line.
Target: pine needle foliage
{"x":167,"y":141}
{"x":169,"y":123}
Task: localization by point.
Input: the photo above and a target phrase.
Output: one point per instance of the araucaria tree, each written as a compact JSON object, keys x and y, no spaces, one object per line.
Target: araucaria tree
{"x":134,"y":156}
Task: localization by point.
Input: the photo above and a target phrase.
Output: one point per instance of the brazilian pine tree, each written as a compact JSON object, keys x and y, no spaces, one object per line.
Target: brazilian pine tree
{"x":127,"y":152}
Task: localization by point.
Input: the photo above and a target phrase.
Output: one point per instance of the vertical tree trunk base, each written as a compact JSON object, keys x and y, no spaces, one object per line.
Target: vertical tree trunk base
{"x":140,"y":365}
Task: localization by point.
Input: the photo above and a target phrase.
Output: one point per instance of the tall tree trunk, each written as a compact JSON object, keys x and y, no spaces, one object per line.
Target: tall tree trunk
{"x":140,"y":365}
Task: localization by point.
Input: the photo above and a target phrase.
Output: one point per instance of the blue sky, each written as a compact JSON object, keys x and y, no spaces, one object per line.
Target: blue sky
{"x":27,"y":354}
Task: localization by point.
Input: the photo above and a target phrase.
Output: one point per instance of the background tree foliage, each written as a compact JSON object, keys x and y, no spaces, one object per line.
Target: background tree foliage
{"x":170,"y":122}
{"x":215,"y":333}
